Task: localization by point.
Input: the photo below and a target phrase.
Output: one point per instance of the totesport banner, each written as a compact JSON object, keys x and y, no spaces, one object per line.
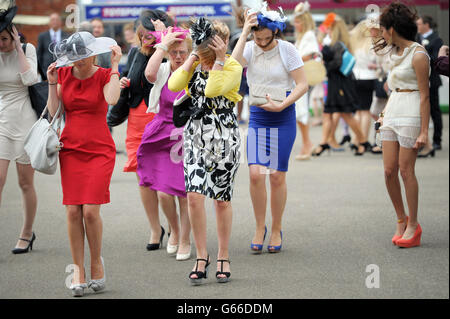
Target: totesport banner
{"x":212,"y":9}
{"x":338,"y":4}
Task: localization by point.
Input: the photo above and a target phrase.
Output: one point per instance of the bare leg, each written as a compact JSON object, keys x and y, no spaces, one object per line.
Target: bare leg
{"x":3,"y":173}
{"x":258,"y":195}
{"x":350,"y":120}
{"x":317,"y":108}
{"x":185,"y":240}
{"x":169,"y":208}
{"x":149,"y":199}
{"x":278,"y":196}
{"x":407,"y":162}
{"x":326,"y":130}
{"x":306,"y":141}
{"x":26,"y":183}
{"x":224,"y":218}
{"x":332,"y":135}
{"x":391,"y":167}
{"x":326,"y":127}
{"x":197,"y":217}
{"x":75,"y":229}
{"x":365,"y":121}
{"x":94,"y":232}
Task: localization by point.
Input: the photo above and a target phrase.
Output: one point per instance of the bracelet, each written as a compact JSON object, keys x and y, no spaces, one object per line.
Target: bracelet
{"x":162,"y":47}
{"x":114,"y":72}
{"x":52,"y":83}
{"x":381,"y":114}
{"x":221,"y":63}
{"x":196,"y":55}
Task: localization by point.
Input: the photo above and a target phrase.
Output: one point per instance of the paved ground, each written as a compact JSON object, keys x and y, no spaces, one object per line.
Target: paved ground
{"x":338,"y":221}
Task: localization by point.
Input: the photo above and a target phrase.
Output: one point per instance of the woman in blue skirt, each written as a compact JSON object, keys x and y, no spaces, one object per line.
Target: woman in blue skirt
{"x":276,"y":80}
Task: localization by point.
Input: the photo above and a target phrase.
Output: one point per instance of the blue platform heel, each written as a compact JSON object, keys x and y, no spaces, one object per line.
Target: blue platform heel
{"x":256,"y":248}
{"x":275,"y":249}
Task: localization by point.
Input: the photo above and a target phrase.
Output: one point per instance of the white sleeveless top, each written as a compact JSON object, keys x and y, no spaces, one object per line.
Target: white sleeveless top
{"x":402,"y":113}
{"x":402,"y":74}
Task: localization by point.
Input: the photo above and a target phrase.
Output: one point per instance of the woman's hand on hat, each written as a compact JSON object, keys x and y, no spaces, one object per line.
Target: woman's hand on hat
{"x":251,"y":20}
{"x":159,"y":25}
{"x":170,"y":37}
{"x":52,"y":74}
{"x":271,"y":106}
{"x":116,"y":55}
{"x":16,"y":38}
{"x":219,"y":47}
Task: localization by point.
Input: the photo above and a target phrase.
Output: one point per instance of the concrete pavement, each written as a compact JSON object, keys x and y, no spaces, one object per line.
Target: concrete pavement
{"x":338,"y":221}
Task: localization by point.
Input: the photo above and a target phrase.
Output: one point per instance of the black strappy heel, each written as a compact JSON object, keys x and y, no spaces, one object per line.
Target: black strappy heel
{"x":323,"y":148}
{"x":25,"y":250}
{"x":221,"y":272}
{"x":200,"y":274}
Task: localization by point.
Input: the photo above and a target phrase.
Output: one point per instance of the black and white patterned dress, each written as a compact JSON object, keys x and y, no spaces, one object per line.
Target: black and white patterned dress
{"x":211,"y":143}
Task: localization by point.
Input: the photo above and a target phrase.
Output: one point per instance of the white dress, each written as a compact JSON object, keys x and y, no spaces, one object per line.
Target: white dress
{"x":306,"y":46}
{"x":402,"y":120}
{"x":16,"y":114}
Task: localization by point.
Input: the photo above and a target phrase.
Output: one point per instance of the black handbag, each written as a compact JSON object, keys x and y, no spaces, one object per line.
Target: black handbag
{"x":118,"y":113}
{"x":38,"y":93}
{"x":182,"y":110}
{"x":380,"y":92}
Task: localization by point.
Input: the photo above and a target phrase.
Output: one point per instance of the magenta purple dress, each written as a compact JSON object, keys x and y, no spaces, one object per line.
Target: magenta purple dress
{"x":160,"y":155}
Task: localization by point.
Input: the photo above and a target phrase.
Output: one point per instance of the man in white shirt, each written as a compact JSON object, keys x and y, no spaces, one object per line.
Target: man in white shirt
{"x":53,"y":35}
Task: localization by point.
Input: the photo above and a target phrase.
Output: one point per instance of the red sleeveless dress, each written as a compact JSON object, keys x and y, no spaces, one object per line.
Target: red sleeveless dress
{"x":88,"y":154}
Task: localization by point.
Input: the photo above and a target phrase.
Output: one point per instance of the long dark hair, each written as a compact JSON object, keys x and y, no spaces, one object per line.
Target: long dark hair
{"x":402,"y":19}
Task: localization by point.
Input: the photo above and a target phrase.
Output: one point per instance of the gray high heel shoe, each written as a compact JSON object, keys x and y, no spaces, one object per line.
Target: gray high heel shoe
{"x":78,"y":289}
{"x":98,"y":284}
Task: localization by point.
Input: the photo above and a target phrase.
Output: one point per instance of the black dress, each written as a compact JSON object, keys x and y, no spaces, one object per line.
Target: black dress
{"x":341,"y":95}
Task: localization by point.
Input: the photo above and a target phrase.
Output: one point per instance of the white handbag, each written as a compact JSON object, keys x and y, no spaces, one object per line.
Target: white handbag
{"x":258,"y":94}
{"x":42,"y":143}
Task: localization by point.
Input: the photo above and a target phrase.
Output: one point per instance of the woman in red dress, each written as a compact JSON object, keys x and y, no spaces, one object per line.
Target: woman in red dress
{"x":88,"y":154}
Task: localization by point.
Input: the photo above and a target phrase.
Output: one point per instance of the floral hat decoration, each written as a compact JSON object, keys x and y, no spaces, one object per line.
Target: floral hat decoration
{"x":273,"y":20}
{"x":201,"y":30}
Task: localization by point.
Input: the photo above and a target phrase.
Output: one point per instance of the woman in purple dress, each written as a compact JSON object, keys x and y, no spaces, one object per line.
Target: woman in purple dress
{"x":160,"y":157}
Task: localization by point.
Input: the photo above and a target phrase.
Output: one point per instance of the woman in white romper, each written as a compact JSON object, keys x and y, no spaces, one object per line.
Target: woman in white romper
{"x":18,"y":71}
{"x":404,"y":121}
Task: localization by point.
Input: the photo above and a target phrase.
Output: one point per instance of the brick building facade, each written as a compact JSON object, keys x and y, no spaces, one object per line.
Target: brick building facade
{"x":40,"y":8}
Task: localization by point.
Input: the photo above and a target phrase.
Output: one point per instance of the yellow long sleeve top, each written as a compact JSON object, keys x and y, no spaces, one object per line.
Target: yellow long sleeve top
{"x":224,"y":82}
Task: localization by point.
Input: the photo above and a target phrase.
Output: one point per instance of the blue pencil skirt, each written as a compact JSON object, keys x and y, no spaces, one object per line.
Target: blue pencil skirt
{"x":271,"y":136}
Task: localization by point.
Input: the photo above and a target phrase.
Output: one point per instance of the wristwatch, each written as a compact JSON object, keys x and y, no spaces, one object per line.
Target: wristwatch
{"x":162,"y":47}
{"x":222,"y":63}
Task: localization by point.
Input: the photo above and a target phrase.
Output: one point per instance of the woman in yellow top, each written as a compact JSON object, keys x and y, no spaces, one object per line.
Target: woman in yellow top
{"x":211,"y":138}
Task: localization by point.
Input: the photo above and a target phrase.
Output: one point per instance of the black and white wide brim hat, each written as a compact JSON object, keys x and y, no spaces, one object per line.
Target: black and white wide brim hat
{"x":79,"y":46}
{"x":8,"y":11}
